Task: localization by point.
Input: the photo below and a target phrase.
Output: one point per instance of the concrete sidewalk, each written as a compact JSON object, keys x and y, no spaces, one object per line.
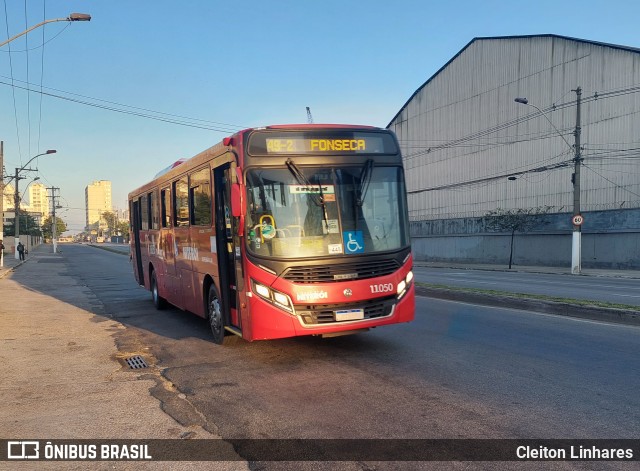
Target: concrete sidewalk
{"x":64,"y":378}
{"x":9,"y":261}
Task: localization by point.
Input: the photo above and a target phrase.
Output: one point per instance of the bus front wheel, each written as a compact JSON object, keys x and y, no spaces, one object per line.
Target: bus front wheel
{"x":214,"y":313}
{"x":158,"y":301}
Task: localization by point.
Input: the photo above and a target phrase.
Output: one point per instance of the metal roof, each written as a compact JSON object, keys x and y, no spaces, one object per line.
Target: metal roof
{"x":553,"y":36}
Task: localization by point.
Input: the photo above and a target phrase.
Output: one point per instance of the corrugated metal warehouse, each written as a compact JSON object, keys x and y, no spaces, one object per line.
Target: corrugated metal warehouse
{"x":469,"y":149}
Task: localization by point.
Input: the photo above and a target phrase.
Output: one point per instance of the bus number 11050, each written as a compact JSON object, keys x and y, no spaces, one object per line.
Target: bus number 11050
{"x":382,"y":288}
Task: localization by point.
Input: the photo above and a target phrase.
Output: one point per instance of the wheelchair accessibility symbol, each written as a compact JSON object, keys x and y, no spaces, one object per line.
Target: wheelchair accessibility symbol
{"x":353,"y":242}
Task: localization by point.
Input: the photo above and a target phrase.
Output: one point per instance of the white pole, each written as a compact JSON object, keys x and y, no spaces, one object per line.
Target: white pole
{"x":576,"y":250}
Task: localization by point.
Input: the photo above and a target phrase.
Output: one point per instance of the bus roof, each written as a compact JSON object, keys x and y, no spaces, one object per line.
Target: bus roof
{"x":176,"y":167}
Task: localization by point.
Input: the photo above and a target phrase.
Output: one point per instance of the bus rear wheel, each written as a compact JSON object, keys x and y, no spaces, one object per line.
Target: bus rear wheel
{"x":158,"y":301}
{"x":214,"y":314}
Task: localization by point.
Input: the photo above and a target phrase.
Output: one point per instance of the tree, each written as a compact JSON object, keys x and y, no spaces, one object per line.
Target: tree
{"x":123,"y":228}
{"x":28,"y":226}
{"x":112,"y":221}
{"x":512,"y":220}
{"x":47,"y":227}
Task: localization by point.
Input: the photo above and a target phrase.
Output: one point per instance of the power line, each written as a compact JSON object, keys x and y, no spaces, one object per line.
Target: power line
{"x":611,"y":181}
{"x":142,"y":112}
{"x":45,"y":42}
{"x":496,"y":177}
{"x":501,"y":126}
{"x":26,"y":42}
{"x":15,"y":110}
{"x":44,"y":17}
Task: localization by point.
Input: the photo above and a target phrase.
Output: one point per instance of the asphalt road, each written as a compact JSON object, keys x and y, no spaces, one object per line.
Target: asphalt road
{"x":593,"y":288}
{"x":457,"y":371}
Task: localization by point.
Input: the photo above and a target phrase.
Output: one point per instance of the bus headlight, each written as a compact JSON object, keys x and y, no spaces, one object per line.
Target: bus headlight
{"x":277,"y":298}
{"x":401,"y":286}
{"x":263,"y":291}
{"x":281,"y":299}
{"x":404,"y":284}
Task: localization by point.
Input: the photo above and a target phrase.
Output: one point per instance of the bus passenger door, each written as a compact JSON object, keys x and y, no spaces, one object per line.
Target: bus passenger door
{"x":167,"y":245}
{"x":226,"y":246}
{"x":136,"y":224}
{"x":182,"y":242}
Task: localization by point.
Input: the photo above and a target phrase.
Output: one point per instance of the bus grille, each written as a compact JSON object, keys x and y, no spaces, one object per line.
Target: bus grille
{"x":315,"y":314}
{"x":344,"y":272}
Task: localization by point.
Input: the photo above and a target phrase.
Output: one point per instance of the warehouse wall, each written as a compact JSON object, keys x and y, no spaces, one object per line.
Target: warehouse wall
{"x":462,"y":135}
{"x":463,"y":126}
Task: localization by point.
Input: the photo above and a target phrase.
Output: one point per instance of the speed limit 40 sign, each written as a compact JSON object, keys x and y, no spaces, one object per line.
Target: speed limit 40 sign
{"x":577,"y":220}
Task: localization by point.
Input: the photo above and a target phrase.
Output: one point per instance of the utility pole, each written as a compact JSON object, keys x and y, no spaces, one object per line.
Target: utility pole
{"x":576,"y":245}
{"x":54,"y":228}
{"x":309,"y":117}
{"x":16,"y":204}
{"x":16,"y":212}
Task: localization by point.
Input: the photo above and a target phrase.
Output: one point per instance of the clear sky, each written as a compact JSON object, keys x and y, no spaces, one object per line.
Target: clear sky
{"x":206,"y":68}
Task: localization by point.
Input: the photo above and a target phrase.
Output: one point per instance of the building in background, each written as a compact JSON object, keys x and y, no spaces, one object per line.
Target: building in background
{"x":8,"y":194}
{"x":469,"y":148}
{"x":36,"y":215}
{"x":38,"y":200}
{"x":123,"y":214}
{"x":97,"y":201}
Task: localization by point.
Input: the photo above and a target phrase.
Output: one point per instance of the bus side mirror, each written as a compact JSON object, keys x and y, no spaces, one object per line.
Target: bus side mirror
{"x":237,"y":206}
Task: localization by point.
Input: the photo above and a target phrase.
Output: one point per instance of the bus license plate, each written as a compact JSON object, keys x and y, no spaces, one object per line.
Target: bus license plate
{"x":349,"y":315}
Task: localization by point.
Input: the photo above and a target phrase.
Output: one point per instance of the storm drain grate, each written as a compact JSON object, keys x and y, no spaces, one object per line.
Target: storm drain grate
{"x":136,"y":362}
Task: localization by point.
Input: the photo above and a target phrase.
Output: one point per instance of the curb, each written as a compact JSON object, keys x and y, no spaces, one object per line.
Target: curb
{"x":6,"y":270}
{"x":613,"y":315}
{"x":109,"y":249}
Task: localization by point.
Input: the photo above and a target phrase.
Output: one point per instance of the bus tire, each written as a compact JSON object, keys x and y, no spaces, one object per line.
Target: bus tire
{"x":158,"y":301}
{"x":214,"y":315}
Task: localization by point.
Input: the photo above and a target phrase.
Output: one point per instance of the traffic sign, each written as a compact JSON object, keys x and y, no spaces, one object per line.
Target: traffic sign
{"x":577,"y":220}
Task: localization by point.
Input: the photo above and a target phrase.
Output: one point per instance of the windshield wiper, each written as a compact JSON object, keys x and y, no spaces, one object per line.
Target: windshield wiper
{"x":365,"y":180}
{"x":318,"y":199}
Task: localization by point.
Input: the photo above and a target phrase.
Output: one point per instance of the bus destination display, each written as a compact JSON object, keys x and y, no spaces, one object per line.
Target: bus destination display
{"x":307,"y":143}
{"x":301,"y":146}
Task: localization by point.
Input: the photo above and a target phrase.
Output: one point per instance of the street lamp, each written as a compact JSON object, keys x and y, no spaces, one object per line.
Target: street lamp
{"x":16,"y":197}
{"x":71,"y":17}
{"x":524,"y":101}
{"x":576,"y":241}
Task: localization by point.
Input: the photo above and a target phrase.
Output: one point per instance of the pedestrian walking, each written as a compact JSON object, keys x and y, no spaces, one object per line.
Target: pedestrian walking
{"x":20,"y":249}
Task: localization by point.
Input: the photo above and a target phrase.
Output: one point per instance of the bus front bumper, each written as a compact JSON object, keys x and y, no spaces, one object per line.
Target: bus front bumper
{"x":270,"y":322}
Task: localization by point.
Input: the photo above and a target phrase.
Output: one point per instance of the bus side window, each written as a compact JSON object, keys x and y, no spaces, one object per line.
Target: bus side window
{"x":144,"y":210}
{"x":153,"y":210}
{"x":181,"y":203}
{"x":200,"y":197}
{"x":165,"y":208}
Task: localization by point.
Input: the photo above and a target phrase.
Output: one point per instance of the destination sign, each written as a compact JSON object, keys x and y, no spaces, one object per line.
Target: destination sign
{"x":301,"y":145}
{"x":335,"y":143}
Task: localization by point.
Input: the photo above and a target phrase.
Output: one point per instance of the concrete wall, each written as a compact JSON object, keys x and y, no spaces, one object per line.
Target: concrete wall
{"x":610,"y":239}
{"x":28,"y":241}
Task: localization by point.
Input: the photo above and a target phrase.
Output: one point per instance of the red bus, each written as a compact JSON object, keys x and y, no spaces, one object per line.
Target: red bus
{"x":280,"y":231}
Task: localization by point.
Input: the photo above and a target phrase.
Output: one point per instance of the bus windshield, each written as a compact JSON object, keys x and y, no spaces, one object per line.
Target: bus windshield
{"x":327,"y":211}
